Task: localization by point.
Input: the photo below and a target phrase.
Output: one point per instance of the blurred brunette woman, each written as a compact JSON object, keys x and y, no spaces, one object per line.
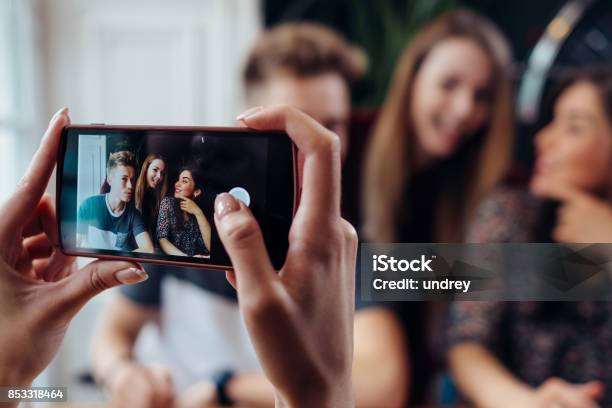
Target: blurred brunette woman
{"x":546,"y":354}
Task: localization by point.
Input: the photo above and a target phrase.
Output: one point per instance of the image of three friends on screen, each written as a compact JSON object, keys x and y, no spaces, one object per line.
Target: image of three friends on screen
{"x":133,"y":212}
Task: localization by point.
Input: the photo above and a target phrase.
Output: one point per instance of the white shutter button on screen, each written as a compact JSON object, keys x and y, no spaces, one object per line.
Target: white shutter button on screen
{"x":241,"y":194}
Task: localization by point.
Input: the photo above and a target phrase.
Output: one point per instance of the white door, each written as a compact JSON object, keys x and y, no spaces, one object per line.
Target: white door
{"x":92,"y":166}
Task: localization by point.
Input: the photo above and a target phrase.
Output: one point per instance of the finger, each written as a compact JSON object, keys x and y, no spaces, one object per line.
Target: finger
{"x":594,"y":389}
{"x":321,"y":150}
{"x":59,"y":273}
{"x":561,"y":233}
{"x":163,"y":386}
{"x":44,"y":220}
{"x":562,"y":192}
{"x":572,"y":397}
{"x":38,"y":246}
{"x":58,"y":267}
{"x":139,"y":392}
{"x":40,"y":267}
{"x":240,"y":118}
{"x":231,"y":278}
{"x":72,"y":293}
{"x":242,"y":239}
{"x":351,"y":248}
{"x":32,"y":186}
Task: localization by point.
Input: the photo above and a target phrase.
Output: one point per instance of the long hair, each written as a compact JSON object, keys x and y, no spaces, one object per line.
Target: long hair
{"x":147,"y":200}
{"x":390,"y":162}
{"x":194,"y":168}
{"x":599,"y":75}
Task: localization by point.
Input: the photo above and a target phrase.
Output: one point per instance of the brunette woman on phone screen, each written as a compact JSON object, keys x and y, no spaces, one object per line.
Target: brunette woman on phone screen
{"x":182,"y":227}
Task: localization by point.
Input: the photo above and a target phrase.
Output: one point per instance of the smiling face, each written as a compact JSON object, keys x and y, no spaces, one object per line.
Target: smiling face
{"x":575,"y":149}
{"x":121,"y":181}
{"x":451,"y":97}
{"x":185,"y":186}
{"x":155,"y":173}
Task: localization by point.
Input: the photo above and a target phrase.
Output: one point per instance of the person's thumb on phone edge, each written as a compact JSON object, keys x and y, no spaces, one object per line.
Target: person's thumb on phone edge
{"x":243,"y":241}
{"x":87,"y":282}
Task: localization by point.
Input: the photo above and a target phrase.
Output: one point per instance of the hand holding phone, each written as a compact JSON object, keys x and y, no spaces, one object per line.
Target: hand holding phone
{"x":41,"y":288}
{"x":189,"y":206}
{"x":300,"y":317}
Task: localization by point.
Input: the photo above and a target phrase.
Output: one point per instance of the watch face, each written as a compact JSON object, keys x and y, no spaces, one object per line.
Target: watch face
{"x":222,"y":380}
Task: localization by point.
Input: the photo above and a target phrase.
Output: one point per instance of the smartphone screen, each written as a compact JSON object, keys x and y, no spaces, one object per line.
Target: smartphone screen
{"x":147,"y":193}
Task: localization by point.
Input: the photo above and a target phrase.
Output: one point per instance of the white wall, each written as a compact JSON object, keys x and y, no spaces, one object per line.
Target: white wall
{"x":91,"y":171}
{"x":20,"y":91}
{"x":151,"y":62}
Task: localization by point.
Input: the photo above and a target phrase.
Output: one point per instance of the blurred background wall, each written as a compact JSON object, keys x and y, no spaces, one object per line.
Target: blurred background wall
{"x":178,"y":62}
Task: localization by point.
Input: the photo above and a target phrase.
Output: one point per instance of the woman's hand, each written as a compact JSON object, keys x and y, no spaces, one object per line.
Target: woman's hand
{"x":40,"y":288}
{"x":484,"y":380}
{"x":134,"y":385}
{"x":199,"y":395}
{"x":190,"y":207}
{"x":300,"y":319}
{"x":581,"y":218}
{"x":557,"y":393}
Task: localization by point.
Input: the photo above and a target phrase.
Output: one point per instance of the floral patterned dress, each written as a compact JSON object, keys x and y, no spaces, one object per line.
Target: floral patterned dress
{"x":183,"y":234}
{"x":535,"y":340}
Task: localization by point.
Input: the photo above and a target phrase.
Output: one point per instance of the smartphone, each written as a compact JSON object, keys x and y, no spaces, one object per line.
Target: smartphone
{"x":146,"y":193}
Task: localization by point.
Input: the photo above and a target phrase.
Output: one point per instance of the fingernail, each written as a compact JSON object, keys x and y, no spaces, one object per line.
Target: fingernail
{"x":225,"y":203}
{"x":60,"y":112}
{"x":249,"y":112}
{"x":63,"y":111}
{"x":131,"y":275}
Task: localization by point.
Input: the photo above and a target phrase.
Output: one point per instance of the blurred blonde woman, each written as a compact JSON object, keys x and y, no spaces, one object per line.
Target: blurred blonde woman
{"x":443,"y":139}
{"x":447,"y":120}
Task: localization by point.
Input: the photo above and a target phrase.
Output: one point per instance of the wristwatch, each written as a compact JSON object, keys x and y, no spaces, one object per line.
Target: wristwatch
{"x":221,"y":380}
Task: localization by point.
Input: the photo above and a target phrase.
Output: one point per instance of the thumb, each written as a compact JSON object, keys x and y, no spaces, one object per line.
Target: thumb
{"x":561,"y":192}
{"x":162,"y":380}
{"x":593,"y":389}
{"x":82,"y":285}
{"x":243,"y":241}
